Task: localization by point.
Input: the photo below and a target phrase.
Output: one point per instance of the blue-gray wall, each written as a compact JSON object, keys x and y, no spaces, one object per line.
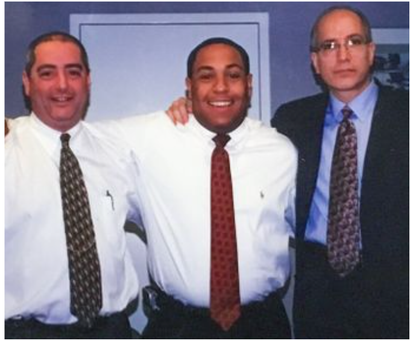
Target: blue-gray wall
{"x":289,"y":35}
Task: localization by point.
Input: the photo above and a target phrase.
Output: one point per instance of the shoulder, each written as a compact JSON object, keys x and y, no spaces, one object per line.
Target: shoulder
{"x":295,"y":114}
{"x":129,"y":123}
{"x":301,"y":105}
{"x":309,"y":100}
{"x":266,"y":136}
{"x":132,"y":128}
{"x":20,"y":144}
{"x":17,"y":128}
{"x":138,"y":134}
{"x":397,"y":98}
{"x":20,"y":121}
{"x":393,"y":108}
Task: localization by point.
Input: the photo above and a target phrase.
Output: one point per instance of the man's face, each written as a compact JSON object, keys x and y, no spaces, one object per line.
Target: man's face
{"x":58,"y":85}
{"x":345,"y":70}
{"x":219,"y":88}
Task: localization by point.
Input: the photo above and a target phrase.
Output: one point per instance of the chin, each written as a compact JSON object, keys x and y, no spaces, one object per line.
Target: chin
{"x":345,"y":85}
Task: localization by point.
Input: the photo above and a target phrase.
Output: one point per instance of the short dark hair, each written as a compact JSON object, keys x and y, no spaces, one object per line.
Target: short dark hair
{"x":365,"y":23}
{"x":217,"y":40}
{"x":54,"y":36}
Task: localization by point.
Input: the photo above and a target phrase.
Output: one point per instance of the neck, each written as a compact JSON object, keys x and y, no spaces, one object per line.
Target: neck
{"x":61,"y":126}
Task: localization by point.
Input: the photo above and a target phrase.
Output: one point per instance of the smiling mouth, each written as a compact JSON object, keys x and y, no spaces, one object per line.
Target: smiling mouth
{"x":62,"y":99}
{"x":220,"y":104}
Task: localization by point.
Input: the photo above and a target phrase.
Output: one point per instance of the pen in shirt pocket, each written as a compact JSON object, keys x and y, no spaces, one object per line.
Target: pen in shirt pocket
{"x":108,"y":194}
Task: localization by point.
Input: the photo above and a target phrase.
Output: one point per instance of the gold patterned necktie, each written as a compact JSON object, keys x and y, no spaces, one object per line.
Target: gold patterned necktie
{"x":84,"y":265}
{"x":225,"y":296}
{"x":343,"y":236}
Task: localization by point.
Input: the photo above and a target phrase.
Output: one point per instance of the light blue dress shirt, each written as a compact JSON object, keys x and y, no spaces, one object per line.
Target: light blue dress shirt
{"x":363,"y":108}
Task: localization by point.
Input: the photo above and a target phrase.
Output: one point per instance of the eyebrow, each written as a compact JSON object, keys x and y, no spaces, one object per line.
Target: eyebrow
{"x":52,"y":66}
{"x":230,"y":66}
{"x":348,"y":37}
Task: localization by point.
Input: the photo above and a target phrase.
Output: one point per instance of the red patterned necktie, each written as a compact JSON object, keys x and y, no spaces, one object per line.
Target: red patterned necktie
{"x":343,"y":236}
{"x":84,"y":265}
{"x":225,"y":299}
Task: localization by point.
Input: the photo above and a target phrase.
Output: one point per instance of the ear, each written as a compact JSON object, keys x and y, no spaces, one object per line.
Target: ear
{"x":26,"y":83}
{"x":250,"y":86}
{"x":372,"y":51}
{"x":314,"y":60}
{"x":89,"y":81}
{"x":188,"y":86}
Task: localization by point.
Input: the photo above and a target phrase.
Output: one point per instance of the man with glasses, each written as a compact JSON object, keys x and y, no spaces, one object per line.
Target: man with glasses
{"x":357,"y":287}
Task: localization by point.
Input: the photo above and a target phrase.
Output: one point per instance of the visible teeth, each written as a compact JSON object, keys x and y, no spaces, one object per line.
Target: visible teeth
{"x":61,"y":99}
{"x":220,"y":103}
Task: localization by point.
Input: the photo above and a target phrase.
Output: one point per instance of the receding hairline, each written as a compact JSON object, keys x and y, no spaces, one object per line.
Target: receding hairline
{"x":364,"y":22}
{"x":55,"y":36}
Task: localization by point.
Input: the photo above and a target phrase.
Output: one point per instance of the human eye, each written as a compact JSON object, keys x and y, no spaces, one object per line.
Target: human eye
{"x":204,"y":75}
{"x":235,"y":74}
{"x":75,"y":72}
{"x":328,"y":46}
{"x":45,"y":73}
{"x":355,"y":41}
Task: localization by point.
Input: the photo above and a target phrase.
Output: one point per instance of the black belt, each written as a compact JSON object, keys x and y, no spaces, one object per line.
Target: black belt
{"x":33,"y":324}
{"x":312,"y":248}
{"x":155,"y":299}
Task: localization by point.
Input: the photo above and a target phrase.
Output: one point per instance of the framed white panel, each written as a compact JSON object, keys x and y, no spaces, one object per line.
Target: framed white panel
{"x":138,"y":61}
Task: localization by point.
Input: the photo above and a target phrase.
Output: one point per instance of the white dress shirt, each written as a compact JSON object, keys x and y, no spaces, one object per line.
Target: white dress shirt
{"x":174,"y":165}
{"x":36,"y":264}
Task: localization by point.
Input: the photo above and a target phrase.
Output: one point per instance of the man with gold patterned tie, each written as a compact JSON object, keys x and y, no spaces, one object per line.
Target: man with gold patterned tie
{"x":68,"y":193}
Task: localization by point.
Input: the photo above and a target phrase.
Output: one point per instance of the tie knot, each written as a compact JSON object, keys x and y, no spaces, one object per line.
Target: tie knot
{"x":221,"y":140}
{"x":347,"y":112}
{"x":65,"y":138}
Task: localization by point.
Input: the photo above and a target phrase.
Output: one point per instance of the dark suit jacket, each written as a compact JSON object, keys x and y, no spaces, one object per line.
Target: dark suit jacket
{"x":384,"y":206}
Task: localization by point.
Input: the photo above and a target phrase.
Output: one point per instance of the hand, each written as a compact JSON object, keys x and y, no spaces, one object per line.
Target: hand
{"x":179,"y":110}
{"x":6,"y":128}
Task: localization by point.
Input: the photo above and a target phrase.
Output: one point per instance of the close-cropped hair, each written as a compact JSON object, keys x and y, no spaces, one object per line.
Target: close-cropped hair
{"x":365,"y":24}
{"x":217,"y":40}
{"x":54,"y":36}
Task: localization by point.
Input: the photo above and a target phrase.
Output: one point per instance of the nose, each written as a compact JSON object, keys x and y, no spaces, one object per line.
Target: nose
{"x":221,"y":84}
{"x":343,"y":52}
{"x":62,"y":80}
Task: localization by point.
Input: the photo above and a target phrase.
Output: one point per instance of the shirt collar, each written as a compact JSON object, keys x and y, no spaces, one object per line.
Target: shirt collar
{"x":50,"y":138}
{"x":362,"y":105}
{"x":236,"y":135}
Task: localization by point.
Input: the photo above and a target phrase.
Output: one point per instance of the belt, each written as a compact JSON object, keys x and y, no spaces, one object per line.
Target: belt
{"x":312,"y":248}
{"x":155,"y":300}
{"x":31,"y":323}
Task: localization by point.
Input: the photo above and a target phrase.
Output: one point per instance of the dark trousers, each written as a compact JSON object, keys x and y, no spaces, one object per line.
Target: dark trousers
{"x":115,"y":326}
{"x":329,"y":307}
{"x":262,"y":320}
